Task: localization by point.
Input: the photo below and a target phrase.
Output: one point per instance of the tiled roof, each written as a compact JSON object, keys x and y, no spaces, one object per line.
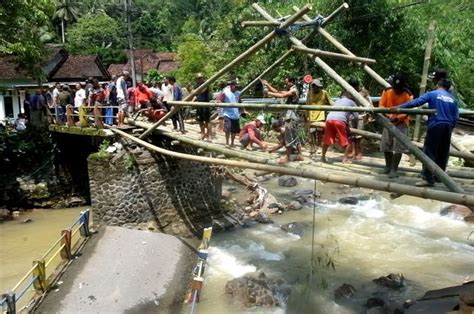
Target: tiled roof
{"x":9,"y":69}
{"x":117,"y":69}
{"x":167,"y":56}
{"x":166,"y":66}
{"x":79,"y":67}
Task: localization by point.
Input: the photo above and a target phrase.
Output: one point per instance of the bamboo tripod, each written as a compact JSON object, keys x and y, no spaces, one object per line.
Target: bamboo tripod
{"x":318,"y":23}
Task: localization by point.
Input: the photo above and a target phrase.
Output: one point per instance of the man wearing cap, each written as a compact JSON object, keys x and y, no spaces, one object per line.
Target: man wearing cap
{"x":231,"y":115}
{"x":392,"y":97}
{"x":440,"y":127}
{"x":203,"y":114}
{"x":439,"y":74}
{"x":316,"y":96}
{"x":250,"y":133}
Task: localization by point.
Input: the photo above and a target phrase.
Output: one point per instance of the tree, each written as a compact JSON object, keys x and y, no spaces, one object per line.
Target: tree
{"x":20,"y":26}
{"x":66,"y":12}
{"x":193,"y":55}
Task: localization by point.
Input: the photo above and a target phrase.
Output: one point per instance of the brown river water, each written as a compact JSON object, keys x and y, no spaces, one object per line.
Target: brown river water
{"x":21,"y":243}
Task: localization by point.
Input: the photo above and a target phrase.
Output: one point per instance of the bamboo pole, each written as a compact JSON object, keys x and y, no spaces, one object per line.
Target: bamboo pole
{"x":230,"y":65}
{"x":452,"y":152}
{"x":329,"y":54}
{"x":267,"y":70}
{"x":335,"y":13}
{"x":427,"y":162}
{"x":450,"y":197}
{"x":343,"y":49}
{"x":301,"y":107}
{"x":259,"y":23}
{"x":424,"y":76}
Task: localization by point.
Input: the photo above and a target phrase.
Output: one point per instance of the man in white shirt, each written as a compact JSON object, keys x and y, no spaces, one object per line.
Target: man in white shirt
{"x":80,"y":96}
{"x":122,"y":98}
{"x":167,"y":90}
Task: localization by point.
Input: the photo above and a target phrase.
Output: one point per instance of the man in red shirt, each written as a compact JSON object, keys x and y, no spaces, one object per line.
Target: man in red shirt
{"x":250,"y":134}
{"x":143,"y":96}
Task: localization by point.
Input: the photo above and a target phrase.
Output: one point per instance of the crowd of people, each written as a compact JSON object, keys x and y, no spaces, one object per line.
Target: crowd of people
{"x":117,"y":99}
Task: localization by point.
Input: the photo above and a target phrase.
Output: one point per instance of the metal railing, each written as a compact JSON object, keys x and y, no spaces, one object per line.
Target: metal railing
{"x":42,"y":271}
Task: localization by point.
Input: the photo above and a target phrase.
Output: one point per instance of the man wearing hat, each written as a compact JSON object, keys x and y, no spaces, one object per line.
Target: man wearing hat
{"x":231,"y":115}
{"x":203,"y":114}
{"x":439,"y":74}
{"x":316,"y":96}
{"x":394,"y":96}
{"x":251,"y":134}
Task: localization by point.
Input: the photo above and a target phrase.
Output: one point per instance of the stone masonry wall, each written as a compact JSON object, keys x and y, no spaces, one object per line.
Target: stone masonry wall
{"x":145,"y":190}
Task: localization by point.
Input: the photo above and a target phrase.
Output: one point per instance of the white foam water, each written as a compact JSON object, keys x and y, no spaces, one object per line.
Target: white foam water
{"x":223,"y":263}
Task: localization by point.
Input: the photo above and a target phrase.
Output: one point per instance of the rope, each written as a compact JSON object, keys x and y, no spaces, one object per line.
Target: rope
{"x":314,"y":23}
{"x":312,"y":239}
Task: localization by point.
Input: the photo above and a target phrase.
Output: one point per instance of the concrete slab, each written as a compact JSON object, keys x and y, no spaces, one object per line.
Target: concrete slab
{"x":123,"y":270}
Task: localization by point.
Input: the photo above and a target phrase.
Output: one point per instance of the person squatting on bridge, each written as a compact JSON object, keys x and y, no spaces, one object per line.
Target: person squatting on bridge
{"x":440,"y":127}
{"x":316,"y":96}
{"x":251,"y":134}
{"x":290,"y":117}
{"x":231,"y":115}
{"x":337,"y":127}
{"x":392,"y":97}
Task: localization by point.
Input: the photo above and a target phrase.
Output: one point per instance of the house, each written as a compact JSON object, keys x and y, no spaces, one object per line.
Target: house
{"x":145,"y":60}
{"x":58,"y":66}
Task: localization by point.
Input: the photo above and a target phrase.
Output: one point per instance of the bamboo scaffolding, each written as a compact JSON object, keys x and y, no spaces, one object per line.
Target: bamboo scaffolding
{"x":292,"y":19}
{"x":450,"y":197}
{"x":427,"y":162}
{"x":300,"y":107}
{"x":452,"y":152}
{"x":329,"y":54}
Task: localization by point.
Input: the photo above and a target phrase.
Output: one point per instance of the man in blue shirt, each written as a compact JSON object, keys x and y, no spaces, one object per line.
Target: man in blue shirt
{"x":440,"y":126}
{"x":231,"y":114}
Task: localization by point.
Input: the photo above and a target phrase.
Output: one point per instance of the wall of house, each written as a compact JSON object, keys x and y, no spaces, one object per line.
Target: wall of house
{"x":11,"y":103}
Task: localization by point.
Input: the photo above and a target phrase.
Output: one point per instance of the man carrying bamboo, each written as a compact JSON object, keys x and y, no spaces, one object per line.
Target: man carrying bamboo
{"x":391,"y":147}
{"x":440,"y":127}
{"x":292,"y":141}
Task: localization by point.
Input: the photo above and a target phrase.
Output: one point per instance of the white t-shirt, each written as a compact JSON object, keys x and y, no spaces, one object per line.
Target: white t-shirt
{"x":55,"y":95}
{"x":158,"y":92}
{"x":79,"y":98}
{"x":167,"y":91}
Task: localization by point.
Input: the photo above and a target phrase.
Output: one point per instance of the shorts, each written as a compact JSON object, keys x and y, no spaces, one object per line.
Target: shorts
{"x":203,"y":115}
{"x":335,"y":129}
{"x":291,"y":134}
{"x":123,"y":105}
{"x":245,"y":139}
{"x":231,"y":125}
{"x":390,"y":144}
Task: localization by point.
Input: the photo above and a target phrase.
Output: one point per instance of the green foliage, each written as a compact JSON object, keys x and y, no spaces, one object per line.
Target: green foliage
{"x":95,"y":31}
{"x":193,"y":55}
{"x":153,"y":76}
{"x":102,"y":152}
{"x":130,"y":162}
{"x":20,"y":25}
{"x":24,"y":152}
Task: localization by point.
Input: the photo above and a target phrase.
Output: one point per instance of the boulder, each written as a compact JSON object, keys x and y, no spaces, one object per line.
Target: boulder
{"x":263,"y":219}
{"x":256,"y":289}
{"x":295,"y":228}
{"x":75,"y":201}
{"x":232,"y":189}
{"x":349,"y":200}
{"x":294,"y":205}
{"x":393,"y":281}
{"x":287,"y":181}
{"x":226,"y":195}
{"x":346,"y":291}
{"x":4,"y":213}
{"x":457,"y":210}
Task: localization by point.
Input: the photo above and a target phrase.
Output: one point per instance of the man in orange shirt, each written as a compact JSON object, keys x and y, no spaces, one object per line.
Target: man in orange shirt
{"x":392,"y":97}
{"x":143,"y":96}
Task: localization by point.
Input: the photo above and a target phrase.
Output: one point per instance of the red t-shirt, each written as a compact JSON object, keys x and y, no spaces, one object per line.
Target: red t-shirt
{"x":250,"y":128}
{"x":142,"y":95}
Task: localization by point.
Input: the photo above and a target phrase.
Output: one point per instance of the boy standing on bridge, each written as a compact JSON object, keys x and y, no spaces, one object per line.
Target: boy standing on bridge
{"x":440,"y":126}
{"x":122,"y":98}
{"x":391,"y":147}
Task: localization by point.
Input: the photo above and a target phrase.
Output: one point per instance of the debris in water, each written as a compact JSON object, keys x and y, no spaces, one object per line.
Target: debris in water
{"x":60,"y":282}
{"x":157,"y":302}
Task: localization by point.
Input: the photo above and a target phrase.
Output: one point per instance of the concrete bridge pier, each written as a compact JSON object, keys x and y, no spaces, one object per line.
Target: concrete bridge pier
{"x":139,"y":189}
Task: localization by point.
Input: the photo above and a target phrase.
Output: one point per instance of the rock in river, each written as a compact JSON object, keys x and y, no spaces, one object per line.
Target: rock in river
{"x":346,"y":291}
{"x":295,"y":228}
{"x":257,"y":290}
{"x":287,"y":181}
{"x":263,"y":219}
{"x":393,"y":281}
{"x":294,"y":205}
{"x":350,"y":200}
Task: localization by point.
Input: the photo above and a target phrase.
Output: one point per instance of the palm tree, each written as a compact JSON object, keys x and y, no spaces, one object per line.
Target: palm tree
{"x":66,"y":12}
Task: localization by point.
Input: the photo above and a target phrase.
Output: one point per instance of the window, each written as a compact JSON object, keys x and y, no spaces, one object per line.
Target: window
{"x":8,"y":103}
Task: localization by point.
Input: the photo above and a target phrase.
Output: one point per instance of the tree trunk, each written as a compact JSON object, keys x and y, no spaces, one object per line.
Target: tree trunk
{"x":62,"y":31}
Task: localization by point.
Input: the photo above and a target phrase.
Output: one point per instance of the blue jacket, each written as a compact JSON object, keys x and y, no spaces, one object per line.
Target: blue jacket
{"x":444,"y":103}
